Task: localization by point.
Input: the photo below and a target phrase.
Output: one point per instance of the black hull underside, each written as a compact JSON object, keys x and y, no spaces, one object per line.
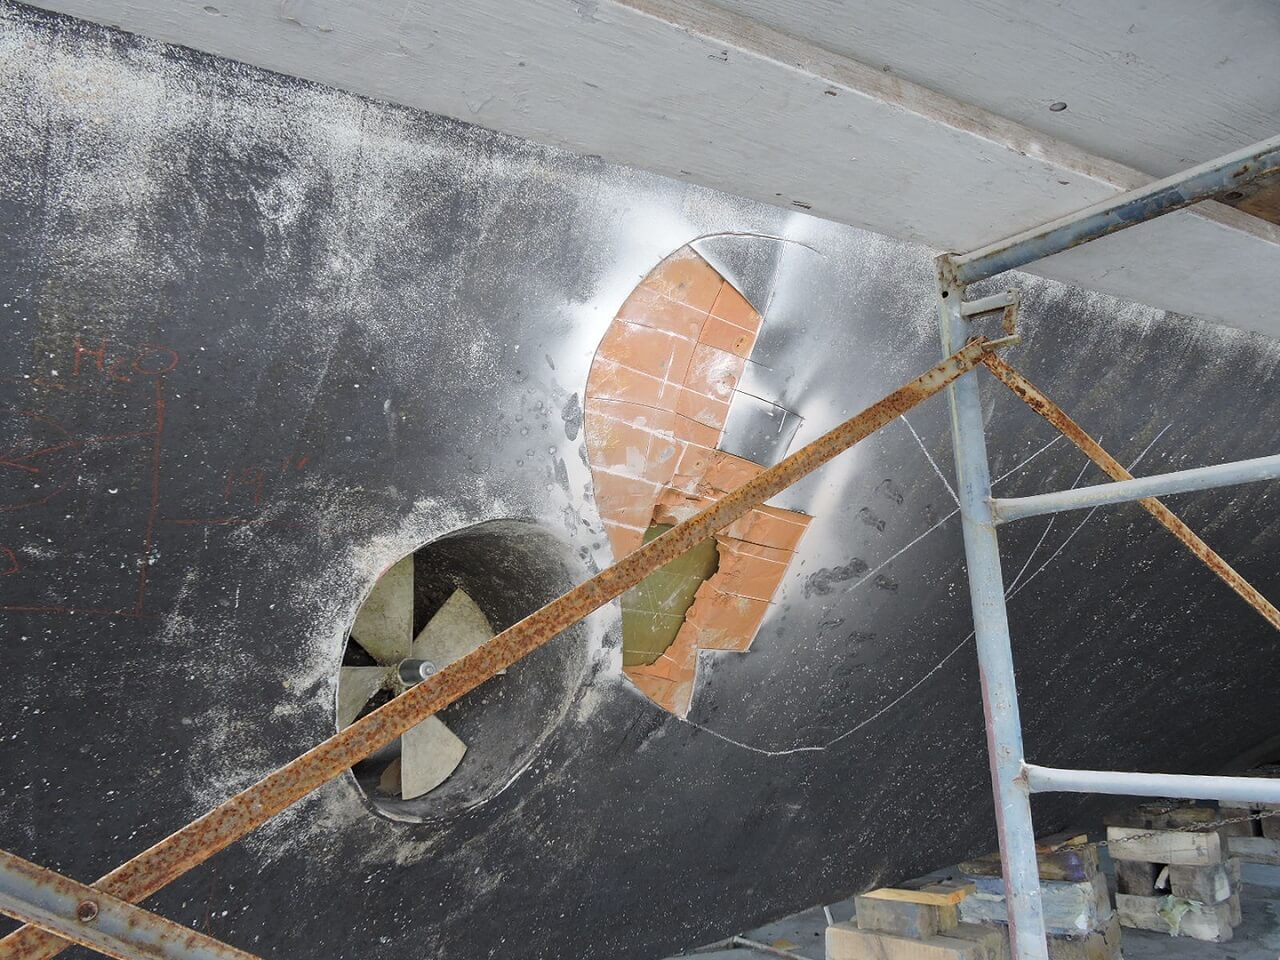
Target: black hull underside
{"x":265,"y":338}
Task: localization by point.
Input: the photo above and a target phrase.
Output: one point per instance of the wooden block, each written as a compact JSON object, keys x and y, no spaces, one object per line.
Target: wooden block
{"x":1210,"y":884}
{"x":1266,"y":822}
{"x":904,"y":917}
{"x":1245,"y":828}
{"x":992,"y":941}
{"x":1255,"y":849}
{"x":1100,"y":945}
{"x":1182,"y":918}
{"x":1271,"y":825}
{"x":1059,"y":841}
{"x":1069,"y":908}
{"x":846,"y":942}
{"x":1136,"y":877}
{"x":1158,"y":816}
{"x":1166,"y":846}
{"x":940,"y":895}
{"x":1248,"y":806}
{"x":1240,"y":805}
{"x":1060,"y":857}
{"x":955,"y":890}
{"x":1233,"y":901}
{"x":1103,"y":901}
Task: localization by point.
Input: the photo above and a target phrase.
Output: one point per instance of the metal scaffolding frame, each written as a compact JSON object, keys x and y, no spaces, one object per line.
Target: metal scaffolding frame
{"x":1013,"y":779}
{"x":91,"y":918}
{"x":58,"y":911}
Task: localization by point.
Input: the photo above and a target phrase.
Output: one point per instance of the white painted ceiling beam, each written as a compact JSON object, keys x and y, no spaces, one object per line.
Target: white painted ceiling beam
{"x":694,"y":91}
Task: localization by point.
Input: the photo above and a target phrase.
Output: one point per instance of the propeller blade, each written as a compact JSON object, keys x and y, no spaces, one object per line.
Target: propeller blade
{"x":384,"y":625}
{"x":429,"y":752}
{"x":389,"y":782}
{"x":457,"y":628}
{"x":355,"y":686}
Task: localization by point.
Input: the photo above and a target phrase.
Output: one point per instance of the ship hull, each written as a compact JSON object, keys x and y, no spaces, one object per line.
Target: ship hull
{"x":267,"y":338}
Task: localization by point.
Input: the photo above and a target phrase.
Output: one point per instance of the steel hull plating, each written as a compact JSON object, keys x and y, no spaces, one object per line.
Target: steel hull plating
{"x":267,"y":338}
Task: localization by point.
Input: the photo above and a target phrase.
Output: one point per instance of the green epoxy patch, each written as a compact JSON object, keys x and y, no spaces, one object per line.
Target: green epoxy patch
{"x":653,"y":611}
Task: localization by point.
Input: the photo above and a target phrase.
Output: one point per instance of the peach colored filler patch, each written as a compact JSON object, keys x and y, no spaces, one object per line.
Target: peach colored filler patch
{"x":657,"y":400}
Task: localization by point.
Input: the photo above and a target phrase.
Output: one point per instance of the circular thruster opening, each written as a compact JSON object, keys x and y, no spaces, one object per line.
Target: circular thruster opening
{"x":426,"y":611}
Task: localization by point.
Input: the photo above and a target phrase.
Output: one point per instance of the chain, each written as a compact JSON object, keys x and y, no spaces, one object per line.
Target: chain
{"x":1188,"y":828}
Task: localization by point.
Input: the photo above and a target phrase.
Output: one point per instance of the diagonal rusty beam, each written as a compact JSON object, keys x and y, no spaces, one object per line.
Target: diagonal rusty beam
{"x":1029,"y":393}
{"x":35,"y":894}
{"x":190,"y":846}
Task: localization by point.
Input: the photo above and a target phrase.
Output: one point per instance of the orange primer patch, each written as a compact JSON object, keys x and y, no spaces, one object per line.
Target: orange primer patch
{"x":657,"y":400}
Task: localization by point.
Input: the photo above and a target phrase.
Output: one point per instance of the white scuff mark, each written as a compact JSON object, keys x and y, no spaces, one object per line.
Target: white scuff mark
{"x":756,"y":236}
{"x":1039,"y":570}
{"x":1014,"y":469}
{"x":850,"y":732}
{"x":932,"y":462}
{"x":870,"y":574}
{"x":1034,"y":550}
{"x":1009,"y":590}
{"x":818,"y":748}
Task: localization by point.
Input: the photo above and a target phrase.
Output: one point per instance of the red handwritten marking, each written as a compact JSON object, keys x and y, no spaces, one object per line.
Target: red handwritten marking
{"x":49,"y":384}
{"x":256,"y":478}
{"x":169,"y":359}
{"x":249,"y":476}
{"x":70,"y":444}
{"x":39,"y":418}
{"x":14,"y":459}
{"x":37,"y":502}
{"x":289,"y":463}
{"x":45,"y":451}
{"x":99,"y":356}
{"x":117,"y":368}
{"x":149,"y":360}
{"x":19,"y":466}
{"x":154,"y":512}
{"x":68,"y":385}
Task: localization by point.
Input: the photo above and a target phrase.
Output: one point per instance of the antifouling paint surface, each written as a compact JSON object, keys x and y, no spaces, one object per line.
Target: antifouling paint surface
{"x":266,"y":338}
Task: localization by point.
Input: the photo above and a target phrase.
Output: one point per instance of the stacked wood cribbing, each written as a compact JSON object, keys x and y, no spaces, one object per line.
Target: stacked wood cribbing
{"x":1079,"y":919}
{"x":1256,"y":837}
{"x":914,"y":922}
{"x":1174,"y":873}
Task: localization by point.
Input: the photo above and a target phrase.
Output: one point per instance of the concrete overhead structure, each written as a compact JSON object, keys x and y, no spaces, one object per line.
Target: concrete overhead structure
{"x":922,"y":121}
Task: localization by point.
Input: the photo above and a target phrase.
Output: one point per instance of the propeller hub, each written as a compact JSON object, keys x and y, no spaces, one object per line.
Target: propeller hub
{"x":413,"y":671}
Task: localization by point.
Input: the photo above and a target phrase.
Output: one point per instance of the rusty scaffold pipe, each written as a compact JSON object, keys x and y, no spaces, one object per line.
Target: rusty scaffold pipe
{"x":1030,"y":394}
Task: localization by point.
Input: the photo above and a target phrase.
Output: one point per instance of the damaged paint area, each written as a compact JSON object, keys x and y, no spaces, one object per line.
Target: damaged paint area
{"x":653,"y":612}
{"x":657,"y":400}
